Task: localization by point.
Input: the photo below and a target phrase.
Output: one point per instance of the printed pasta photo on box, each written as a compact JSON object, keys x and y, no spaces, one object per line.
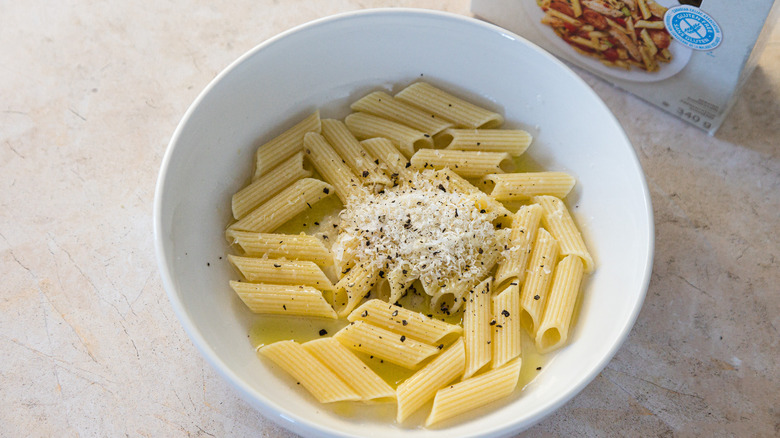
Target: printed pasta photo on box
{"x":688,"y":57}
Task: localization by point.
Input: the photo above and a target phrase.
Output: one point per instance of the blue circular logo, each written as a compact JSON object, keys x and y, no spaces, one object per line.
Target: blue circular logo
{"x":693,"y":28}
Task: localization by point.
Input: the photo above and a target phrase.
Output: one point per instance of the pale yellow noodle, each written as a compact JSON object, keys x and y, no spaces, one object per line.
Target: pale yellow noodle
{"x":345,"y":364}
{"x":417,"y":390}
{"x":384,"y":105}
{"x":284,"y":206}
{"x":293,"y":247}
{"x":384,"y":344}
{"x":285,"y":145}
{"x":448,"y":107}
{"x":312,"y":374}
{"x":554,"y":327}
{"x":536,"y":286}
{"x":289,"y":300}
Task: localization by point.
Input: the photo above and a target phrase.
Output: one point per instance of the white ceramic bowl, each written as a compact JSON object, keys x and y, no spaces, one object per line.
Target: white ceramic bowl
{"x":327,"y":64}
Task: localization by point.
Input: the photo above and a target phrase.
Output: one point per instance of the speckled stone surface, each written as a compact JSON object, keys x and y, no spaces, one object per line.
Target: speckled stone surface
{"x":90,"y":93}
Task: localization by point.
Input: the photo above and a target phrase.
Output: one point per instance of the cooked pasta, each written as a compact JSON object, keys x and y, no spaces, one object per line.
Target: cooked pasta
{"x":524,"y":186}
{"x":386,"y":106}
{"x":284,"y":206}
{"x":365,"y":126}
{"x":448,"y":107}
{"x":537,"y":282}
{"x":293,"y":247}
{"x":524,"y":225}
{"x":417,"y":390}
{"x":558,"y":221}
{"x":389,"y":155}
{"x":475,"y":392}
{"x":431,"y":272}
{"x":275,"y":299}
{"x":384,"y":344}
{"x":345,"y":364}
{"x":347,"y":146}
{"x":476,"y":328}
{"x":270,"y":154}
{"x":554,"y":327}
{"x":331,"y":166}
{"x":261,"y":189}
{"x":278,"y":271}
{"x":514,"y":142}
{"x":312,"y":374}
{"x":483,"y":202}
{"x":505,"y":325}
{"x":468,"y":164}
{"x":353,"y":287}
{"x":623,"y":34}
{"x":413,"y":324}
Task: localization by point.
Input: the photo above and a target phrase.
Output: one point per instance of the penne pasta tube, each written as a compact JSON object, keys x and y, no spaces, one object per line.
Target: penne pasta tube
{"x":524,"y":186}
{"x":399,"y":279}
{"x":554,"y":327}
{"x":261,"y":189}
{"x":414,"y":325}
{"x":649,"y":24}
{"x":293,"y":247}
{"x":417,"y":390}
{"x":576,"y":7}
{"x":344,"y":254}
{"x":656,"y":9}
{"x":448,"y":107}
{"x":649,"y":44}
{"x":591,"y":43}
{"x":386,"y":106}
{"x":384,"y":344}
{"x":482,"y":201}
{"x":475,"y":392}
{"x":614,"y":24}
{"x":407,"y":139}
{"x":270,"y":154}
{"x":644,"y":9}
{"x":521,"y":240}
{"x":283,"y":300}
{"x":388,"y":155}
{"x":476,"y":328}
{"x":347,"y":146}
{"x":284,"y":206}
{"x":512,"y":141}
{"x":537,"y":281}
{"x":454,"y":289}
{"x":468,"y":164}
{"x":353,"y":287}
{"x":630,"y":29}
{"x":312,"y":374}
{"x":505,"y":325}
{"x":330,"y":165}
{"x":571,"y":20}
{"x":559,"y":222}
{"x":277,"y":271}
{"x":346,"y":365}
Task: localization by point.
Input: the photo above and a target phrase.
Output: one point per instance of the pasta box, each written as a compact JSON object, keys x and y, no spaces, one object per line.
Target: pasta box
{"x":688,"y":57}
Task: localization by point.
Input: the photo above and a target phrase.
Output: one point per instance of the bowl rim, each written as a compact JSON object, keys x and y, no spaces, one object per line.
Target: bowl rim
{"x":300,"y":424}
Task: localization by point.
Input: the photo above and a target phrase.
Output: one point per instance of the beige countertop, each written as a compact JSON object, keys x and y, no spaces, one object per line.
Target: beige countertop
{"x":90,"y":93}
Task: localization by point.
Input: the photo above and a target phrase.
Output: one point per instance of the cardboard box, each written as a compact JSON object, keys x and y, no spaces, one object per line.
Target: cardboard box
{"x":689,"y":59}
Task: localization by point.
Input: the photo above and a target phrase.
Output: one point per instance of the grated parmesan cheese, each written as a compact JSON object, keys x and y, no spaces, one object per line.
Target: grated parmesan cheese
{"x":438,"y":234}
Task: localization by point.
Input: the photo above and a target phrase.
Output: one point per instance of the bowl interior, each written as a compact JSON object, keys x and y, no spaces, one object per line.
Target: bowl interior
{"x":331,"y":62}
